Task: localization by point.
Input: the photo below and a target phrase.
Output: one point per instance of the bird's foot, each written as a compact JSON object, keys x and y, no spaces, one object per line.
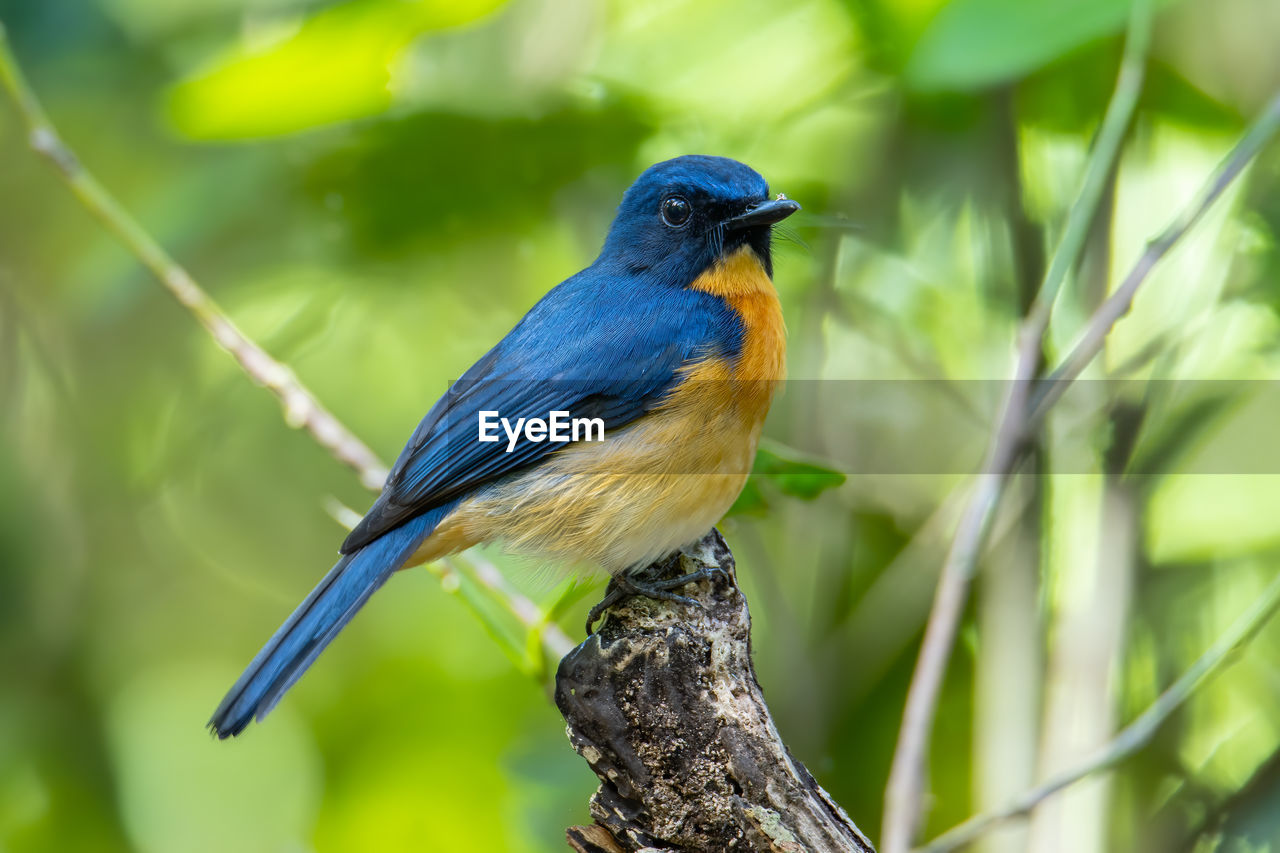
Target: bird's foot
{"x":627,"y":585}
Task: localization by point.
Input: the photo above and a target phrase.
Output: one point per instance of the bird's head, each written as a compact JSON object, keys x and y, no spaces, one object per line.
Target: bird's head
{"x":682,"y":216}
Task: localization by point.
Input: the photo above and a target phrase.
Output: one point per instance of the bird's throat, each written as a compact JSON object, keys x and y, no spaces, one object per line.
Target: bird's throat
{"x":738,"y":274}
{"x":741,"y":281}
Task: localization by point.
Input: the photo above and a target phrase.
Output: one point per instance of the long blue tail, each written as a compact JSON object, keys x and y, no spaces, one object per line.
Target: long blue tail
{"x":315,"y":623}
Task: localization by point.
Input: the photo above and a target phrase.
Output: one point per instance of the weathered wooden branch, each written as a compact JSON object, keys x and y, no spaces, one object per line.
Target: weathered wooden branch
{"x":663,"y":704}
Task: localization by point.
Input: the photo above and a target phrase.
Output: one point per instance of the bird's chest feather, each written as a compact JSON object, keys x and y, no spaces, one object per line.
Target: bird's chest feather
{"x":665,"y":479}
{"x":748,"y":381}
{"x":710,"y":422}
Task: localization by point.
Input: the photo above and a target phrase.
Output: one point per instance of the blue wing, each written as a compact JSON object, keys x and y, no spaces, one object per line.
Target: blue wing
{"x":595,"y":347}
{"x":600,"y":345}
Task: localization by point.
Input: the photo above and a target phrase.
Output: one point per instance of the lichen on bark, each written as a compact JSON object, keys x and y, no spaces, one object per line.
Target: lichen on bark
{"x":664,"y":705}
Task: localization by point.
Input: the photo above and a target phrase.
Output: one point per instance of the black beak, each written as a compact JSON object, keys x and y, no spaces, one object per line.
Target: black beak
{"x":765,"y":213}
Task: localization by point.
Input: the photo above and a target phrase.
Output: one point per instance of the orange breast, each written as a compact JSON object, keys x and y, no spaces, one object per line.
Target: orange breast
{"x":660,"y":482}
{"x":740,"y":280}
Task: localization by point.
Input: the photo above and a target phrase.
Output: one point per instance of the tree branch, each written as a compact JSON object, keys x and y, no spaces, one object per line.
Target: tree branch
{"x":300,"y":406}
{"x":1134,"y":736}
{"x":906,"y":778}
{"x":664,"y":705}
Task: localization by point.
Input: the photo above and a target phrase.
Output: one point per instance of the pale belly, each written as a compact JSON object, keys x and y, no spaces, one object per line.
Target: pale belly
{"x":661,"y":482}
{"x":622,"y":503}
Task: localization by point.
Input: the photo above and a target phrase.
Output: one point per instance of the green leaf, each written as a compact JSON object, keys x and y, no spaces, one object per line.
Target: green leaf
{"x":570,"y":593}
{"x":794,"y":473}
{"x":751,"y":502}
{"x":787,"y":471}
{"x":972,"y":44}
{"x":335,"y":67}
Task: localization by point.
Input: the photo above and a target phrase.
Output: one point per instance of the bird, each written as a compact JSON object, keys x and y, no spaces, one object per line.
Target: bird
{"x":672,"y":339}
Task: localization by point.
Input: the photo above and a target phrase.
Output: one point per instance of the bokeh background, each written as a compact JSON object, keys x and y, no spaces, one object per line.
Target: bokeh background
{"x":376,"y":190}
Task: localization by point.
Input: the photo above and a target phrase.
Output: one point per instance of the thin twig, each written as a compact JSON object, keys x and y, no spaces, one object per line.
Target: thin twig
{"x":1118,"y":304}
{"x":1052,"y":388}
{"x":301,"y":408}
{"x":528,"y":614}
{"x":1090,"y":344}
{"x":1134,"y":736}
{"x":903,"y":794}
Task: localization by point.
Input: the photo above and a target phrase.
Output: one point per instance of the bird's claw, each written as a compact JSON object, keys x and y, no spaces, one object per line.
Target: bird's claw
{"x":628,"y":586}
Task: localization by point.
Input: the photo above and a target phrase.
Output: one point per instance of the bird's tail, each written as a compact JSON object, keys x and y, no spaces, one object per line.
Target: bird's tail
{"x":315,"y":623}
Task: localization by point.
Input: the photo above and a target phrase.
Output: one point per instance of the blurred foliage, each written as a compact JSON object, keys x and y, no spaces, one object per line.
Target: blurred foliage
{"x":297,"y":74}
{"x":977,"y":43}
{"x":378,"y":189}
{"x":780,"y":470}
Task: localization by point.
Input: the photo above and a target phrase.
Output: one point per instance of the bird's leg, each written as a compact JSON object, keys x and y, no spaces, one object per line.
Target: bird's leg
{"x":629,"y":584}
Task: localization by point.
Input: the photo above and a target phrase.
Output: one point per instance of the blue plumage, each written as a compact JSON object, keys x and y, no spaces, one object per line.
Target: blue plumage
{"x":614,"y":341}
{"x":601,"y":344}
{"x":315,"y":623}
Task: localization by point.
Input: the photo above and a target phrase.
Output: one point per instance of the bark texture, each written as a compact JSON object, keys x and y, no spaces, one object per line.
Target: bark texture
{"x":663,"y":704}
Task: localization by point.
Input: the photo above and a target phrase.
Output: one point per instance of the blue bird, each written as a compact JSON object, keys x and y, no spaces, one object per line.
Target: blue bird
{"x":670,"y":344}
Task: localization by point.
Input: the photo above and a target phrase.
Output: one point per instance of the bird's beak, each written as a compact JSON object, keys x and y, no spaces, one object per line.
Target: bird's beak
{"x":765,"y":213}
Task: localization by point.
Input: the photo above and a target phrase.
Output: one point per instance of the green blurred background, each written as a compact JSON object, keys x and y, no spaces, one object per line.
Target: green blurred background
{"x":376,"y":190}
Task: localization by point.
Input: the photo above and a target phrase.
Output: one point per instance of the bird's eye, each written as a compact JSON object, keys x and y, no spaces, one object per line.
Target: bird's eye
{"x":675,"y":211}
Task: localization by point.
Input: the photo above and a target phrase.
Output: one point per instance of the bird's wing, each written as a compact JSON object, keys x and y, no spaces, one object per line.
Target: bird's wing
{"x":609,"y":367}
